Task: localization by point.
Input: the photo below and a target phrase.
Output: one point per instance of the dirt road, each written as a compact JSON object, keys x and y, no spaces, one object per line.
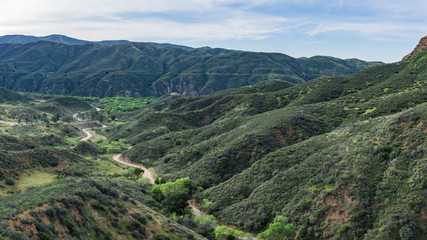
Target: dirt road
{"x":147,"y":173}
{"x":8,"y":123}
{"x":88,"y":134}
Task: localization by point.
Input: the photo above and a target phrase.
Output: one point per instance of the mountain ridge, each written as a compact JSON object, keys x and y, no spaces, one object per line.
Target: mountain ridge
{"x":331,"y":158}
{"x":141,"y":69}
{"x":23,"y":39}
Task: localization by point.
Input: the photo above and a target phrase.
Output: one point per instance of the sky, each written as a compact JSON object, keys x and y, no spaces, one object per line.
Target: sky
{"x":374,"y":30}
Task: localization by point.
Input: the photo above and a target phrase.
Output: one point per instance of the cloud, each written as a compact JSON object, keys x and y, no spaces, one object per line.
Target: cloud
{"x":373,"y":30}
{"x":107,"y":19}
{"x":210,"y":20}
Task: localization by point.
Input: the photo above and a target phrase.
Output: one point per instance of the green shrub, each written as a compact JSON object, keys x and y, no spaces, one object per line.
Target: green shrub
{"x":279,"y":229}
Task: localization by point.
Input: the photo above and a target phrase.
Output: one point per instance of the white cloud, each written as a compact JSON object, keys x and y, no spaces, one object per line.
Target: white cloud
{"x":373,"y":30}
{"x":208,"y":19}
{"x":106,"y":19}
{"x":155,"y":29}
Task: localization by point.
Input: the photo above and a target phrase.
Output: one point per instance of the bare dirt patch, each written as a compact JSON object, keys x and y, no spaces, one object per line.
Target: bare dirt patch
{"x":227,"y":103}
{"x":280,"y":137}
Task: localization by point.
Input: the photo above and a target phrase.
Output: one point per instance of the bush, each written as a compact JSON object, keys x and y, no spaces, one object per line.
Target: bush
{"x":173,"y":195}
{"x":225,"y":233}
{"x":44,"y":236}
{"x":278,"y":230}
{"x":9,"y":182}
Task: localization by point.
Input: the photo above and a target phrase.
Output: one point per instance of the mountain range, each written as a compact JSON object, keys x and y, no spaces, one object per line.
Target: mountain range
{"x":335,"y":157}
{"x":68,"y":66}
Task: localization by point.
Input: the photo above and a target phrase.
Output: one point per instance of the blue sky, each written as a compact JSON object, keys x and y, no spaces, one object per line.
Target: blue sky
{"x":383,"y":30}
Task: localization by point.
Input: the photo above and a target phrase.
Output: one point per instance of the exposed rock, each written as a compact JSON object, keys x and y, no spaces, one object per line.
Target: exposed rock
{"x":421,"y":46}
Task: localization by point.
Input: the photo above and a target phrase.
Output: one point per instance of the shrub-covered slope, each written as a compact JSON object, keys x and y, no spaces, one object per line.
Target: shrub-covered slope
{"x":342,"y":157}
{"x":362,"y":179}
{"x":141,"y":69}
{"x":86,"y":209}
{"x":10,"y":96}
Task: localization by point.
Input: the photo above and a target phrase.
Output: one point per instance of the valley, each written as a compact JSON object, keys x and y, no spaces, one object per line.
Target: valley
{"x":103,"y":153}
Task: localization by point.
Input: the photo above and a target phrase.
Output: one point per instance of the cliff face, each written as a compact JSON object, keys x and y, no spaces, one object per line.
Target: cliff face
{"x":421,"y":46}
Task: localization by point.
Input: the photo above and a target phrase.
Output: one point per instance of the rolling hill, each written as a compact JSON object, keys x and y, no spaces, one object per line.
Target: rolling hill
{"x":342,"y":157}
{"x":55,"y":185}
{"x":142,"y":69}
{"x":9,"y":96}
{"x":335,"y":157}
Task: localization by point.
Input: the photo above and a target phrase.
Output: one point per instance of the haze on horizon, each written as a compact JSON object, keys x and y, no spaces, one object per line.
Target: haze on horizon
{"x":369,"y":30}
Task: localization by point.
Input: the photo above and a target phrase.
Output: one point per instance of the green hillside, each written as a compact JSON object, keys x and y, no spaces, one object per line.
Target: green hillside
{"x":141,"y":69}
{"x":87,"y":209}
{"x":56,"y":185}
{"x":341,"y":157}
{"x":10,"y":96}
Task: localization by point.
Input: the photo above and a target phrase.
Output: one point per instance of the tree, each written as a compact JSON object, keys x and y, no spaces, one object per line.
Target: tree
{"x":173,"y":195}
{"x":226,"y":233}
{"x":55,"y":117}
{"x":278,"y":229}
{"x":159,"y":180}
{"x":138,"y":171}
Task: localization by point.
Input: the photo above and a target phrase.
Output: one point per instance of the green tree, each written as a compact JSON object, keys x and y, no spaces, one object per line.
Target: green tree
{"x":226,"y":233}
{"x":278,"y":229}
{"x":159,"y":180}
{"x":173,"y":195}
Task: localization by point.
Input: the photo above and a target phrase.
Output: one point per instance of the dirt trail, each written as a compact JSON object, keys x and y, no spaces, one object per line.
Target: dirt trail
{"x":75,"y":118}
{"x":194,"y":208}
{"x":8,"y":123}
{"x":147,"y":173}
{"x":88,"y":134}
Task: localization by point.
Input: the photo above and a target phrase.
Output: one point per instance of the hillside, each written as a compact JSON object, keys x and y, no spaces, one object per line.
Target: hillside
{"x":87,"y":209}
{"x":141,"y":69}
{"x":10,"y":96}
{"x":342,"y":157}
{"x":55,"y":183}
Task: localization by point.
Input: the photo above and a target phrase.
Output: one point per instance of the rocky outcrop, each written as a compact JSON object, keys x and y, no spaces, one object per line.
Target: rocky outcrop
{"x":421,"y":46}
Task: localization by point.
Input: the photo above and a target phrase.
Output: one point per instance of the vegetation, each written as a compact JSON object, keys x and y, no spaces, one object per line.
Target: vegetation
{"x":112,"y":105}
{"x":51,"y":187}
{"x":329,"y":154}
{"x":226,"y":233}
{"x":142,"y":69}
{"x":89,"y":209}
{"x":279,"y":229}
{"x":340,"y":157}
{"x":173,"y":196}
{"x":7,"y":96}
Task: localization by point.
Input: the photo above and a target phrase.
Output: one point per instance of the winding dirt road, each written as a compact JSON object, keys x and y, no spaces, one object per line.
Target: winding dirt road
{"x":88,"y":134}
{"x":147,"y":174}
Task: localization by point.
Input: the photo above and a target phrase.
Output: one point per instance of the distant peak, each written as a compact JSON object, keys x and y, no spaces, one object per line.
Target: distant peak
{"x":421,"y":46}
